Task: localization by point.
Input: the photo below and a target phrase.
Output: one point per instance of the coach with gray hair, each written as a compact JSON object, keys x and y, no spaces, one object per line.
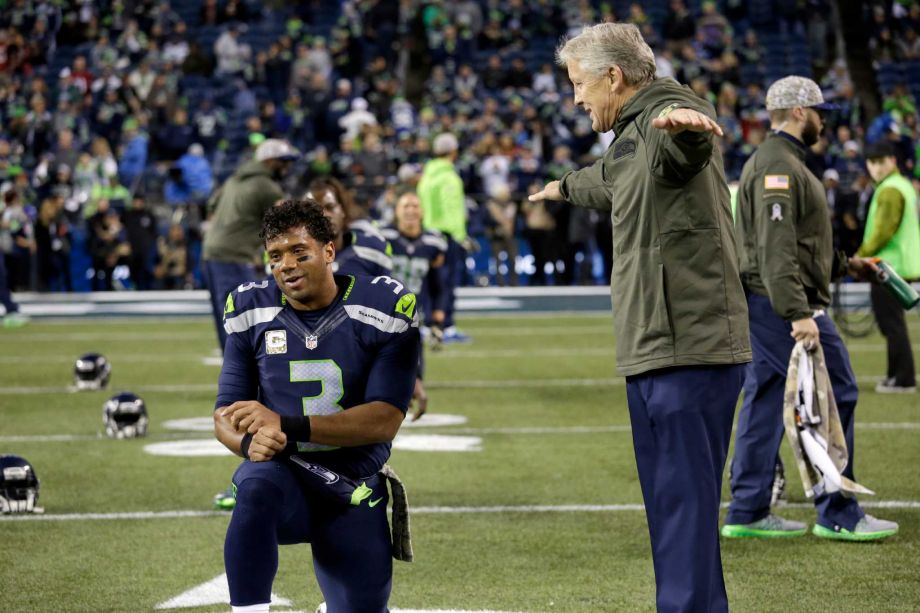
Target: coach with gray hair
{"x":678,"y":306}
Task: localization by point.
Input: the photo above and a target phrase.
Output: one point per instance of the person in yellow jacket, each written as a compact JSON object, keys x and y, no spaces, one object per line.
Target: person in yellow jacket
{"x":892,"y":234}
{"x":440,"y":192}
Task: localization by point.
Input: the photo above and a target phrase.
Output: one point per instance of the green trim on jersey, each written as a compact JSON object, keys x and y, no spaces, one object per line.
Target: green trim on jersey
{"x":350,"y":286}
{"x":229,"y":307}
{"x":406,"y":305}
{"x":361,"y":492}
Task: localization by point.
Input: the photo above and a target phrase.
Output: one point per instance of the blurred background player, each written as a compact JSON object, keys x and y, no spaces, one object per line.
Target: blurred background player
{"x":360,"y":248}
{"x":12,"y":318}
{"x":232,"y":249}
{"x":15,"y":239}
{"x":440,"y":191}
{"x":418,"y":261}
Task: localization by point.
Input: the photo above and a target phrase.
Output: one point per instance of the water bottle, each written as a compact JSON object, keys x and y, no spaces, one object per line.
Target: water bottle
{"x":900,"y":289}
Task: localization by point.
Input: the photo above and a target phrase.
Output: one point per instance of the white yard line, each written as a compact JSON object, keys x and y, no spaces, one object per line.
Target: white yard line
{"x":116,"y":358}
{"x":443,"y":430}
{"x":457,"y":384}
{"x":437,"y":510}
{"x":450,"y":354}
{"x":70,"y":438}
{"x":159,"y":335}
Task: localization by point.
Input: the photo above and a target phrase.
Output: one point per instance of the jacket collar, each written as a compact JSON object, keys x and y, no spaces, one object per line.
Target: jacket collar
{"x":789,"y":142}
{"x":792,"y":139}
{"x":647,"y":96}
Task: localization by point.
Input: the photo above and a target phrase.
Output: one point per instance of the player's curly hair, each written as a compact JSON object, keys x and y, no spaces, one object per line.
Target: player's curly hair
{"x":289,"y":214}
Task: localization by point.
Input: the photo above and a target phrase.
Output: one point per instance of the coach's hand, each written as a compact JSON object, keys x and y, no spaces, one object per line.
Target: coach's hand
{"x":266,"y":443}
{"x":679,"y":120}
{"x":550,"y":191}
{"x":250,"y":415}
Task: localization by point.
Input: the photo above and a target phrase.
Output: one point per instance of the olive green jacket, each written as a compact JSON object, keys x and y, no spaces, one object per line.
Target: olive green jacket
{"x":237,"y":208}
{"x":784,"y":229}
{"x":677,"y":296}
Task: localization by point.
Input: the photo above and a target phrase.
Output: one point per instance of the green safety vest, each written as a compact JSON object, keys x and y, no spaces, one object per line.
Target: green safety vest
{"x":902,"y":252}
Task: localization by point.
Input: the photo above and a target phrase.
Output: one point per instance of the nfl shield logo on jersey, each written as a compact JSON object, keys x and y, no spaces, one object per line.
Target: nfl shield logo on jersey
{"x":312,"y":341}
{"x":276,"y":341}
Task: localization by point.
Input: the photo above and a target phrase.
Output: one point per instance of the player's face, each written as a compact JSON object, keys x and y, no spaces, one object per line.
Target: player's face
{"x":408,"y":211}
{"x":332,"y":209}
{"x":300,"y":265}
{"x":597,"y":95}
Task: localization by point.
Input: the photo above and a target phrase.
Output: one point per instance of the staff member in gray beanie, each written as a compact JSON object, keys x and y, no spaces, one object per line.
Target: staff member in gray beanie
{"x":787,"y":263}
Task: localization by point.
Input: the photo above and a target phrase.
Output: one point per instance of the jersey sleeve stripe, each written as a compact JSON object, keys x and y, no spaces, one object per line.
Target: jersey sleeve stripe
{"x":377,"y":319}
{"x":435,"y":241}
{"x":378,"y":257}
{"x":248,"y":319}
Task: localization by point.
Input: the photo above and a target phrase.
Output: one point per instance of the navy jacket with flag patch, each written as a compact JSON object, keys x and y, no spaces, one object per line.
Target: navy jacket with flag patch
{"x":361,"y":348}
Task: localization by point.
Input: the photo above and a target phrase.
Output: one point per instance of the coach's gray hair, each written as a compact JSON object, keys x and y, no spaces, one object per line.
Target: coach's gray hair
{"x":601,"y":46}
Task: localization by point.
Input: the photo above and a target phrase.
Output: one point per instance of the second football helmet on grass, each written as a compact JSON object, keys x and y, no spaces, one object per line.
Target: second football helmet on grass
{"x":91,"y":371}
{"x":125,"y":416}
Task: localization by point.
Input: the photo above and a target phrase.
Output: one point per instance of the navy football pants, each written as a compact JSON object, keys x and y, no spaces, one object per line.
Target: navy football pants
{"x":352,"y":551}
{"x":222,"y":278}
{"x":6,"y":298}
{"x":681,"y":426}
{"x":760,"y":423}
{"x":455,"y":264}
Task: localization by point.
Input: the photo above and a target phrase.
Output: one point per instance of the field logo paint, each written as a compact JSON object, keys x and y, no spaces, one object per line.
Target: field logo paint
{"x":428,"y":420}
{"x":192,"y":448}
{"x":190,"y":424}
{"x":436,"y":442}
{"x":407,"y":442}
{"x":215,"y":591}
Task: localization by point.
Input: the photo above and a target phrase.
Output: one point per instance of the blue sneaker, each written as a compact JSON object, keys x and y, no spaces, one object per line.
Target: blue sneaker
{"x":453,"y":335}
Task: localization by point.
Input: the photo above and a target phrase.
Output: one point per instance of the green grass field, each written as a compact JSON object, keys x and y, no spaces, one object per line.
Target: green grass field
{"x":542,"y":395}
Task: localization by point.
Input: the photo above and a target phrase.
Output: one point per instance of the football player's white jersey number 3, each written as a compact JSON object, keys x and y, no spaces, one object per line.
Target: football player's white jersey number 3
{"x":328,"y":373}
{"x":389,"y":281}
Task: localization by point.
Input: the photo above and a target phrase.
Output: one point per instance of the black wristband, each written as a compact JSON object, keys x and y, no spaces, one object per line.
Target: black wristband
{"x":296,"y":428}
{"x":244,"y":444}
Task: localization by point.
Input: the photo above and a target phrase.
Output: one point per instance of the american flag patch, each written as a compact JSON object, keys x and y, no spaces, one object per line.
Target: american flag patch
{"x":776,"y":182}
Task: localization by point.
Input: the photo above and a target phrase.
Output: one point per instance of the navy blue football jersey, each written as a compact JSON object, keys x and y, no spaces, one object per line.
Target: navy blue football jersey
{"x":361,"y":348}
{"x":412,"y":260}
{"x":365,"y":252}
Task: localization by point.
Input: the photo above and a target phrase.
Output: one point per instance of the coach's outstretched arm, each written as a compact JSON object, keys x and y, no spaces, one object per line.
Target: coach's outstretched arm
{"x":586,"y":187}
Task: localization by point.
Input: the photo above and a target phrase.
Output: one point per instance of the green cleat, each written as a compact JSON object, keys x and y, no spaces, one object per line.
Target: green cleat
{"x":226,"y":500}
{"x":771,"y":526}
{"x":15,"y":320}
{"x":867,"y":529}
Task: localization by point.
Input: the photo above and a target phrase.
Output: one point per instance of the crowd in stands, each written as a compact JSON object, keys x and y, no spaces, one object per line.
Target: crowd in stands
{"x":119,"y":117}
